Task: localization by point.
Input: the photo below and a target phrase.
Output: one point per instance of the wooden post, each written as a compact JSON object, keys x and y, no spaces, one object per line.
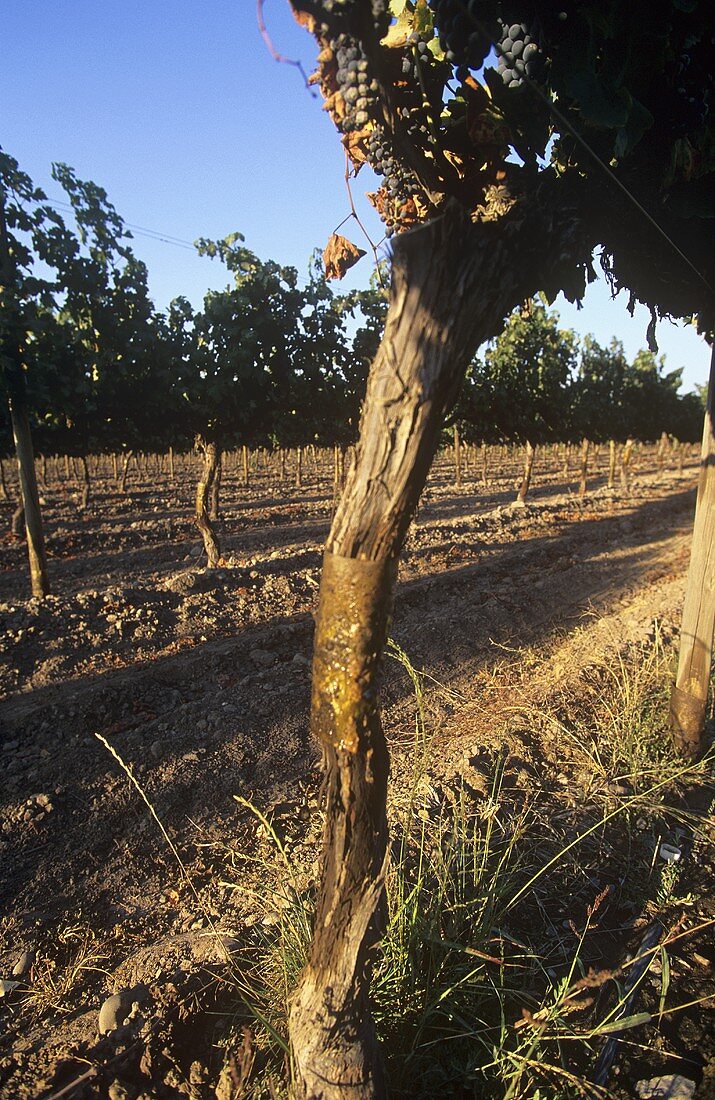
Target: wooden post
{"x":30,"y":500}
{"x":457,"y":459}
{"x":86,"y":483}
{"x":244,"y":455}
{"x":626,"y":453}
{"x":611,"y":463}
{"x":583,"y":482}
{"x":689,"y":696}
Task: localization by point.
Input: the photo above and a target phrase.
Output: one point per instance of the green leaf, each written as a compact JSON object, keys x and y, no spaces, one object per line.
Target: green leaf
{"x":598,"y":106}
{"x":639,"y":122}
{"x":627,"y":1022}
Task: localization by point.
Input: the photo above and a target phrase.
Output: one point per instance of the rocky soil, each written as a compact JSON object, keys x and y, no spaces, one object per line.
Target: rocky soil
{"x":148,"y":701}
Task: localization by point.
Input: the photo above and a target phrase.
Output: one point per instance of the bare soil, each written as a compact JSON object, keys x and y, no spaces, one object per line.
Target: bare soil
{"x":199,"y":682}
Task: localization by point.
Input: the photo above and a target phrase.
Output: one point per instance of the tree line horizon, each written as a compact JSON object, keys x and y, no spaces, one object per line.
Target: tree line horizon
{"x":264,"y":362}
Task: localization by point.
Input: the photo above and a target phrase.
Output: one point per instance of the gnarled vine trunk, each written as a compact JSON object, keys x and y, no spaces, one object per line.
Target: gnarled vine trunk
{"x":215,"y":491}
{"x":209,"y":450}
{"x":529,"y":455}
{"x":451,"y":288}
{"x":125,"y":471}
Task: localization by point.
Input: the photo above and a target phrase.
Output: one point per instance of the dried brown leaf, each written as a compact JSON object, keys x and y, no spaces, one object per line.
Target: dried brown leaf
{"x":339,"y":256}
{"x":355,"y":144}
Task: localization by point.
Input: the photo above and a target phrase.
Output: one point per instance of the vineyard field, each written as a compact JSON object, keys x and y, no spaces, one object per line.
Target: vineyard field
{"x":200,"y":682}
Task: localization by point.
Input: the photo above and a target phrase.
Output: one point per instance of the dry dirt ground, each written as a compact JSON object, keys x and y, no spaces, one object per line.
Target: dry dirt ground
{"x":199,"y":683}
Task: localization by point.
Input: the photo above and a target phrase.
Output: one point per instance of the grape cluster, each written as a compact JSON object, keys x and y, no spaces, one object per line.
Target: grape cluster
{"x":519,"y":54}
{"x":464,"y":40}
{"x":399,"y":184}
{"x":418,"y":52}
{"x":359,"y":91}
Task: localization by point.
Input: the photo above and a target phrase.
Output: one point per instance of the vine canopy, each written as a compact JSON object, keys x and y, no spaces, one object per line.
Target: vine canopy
{"x":493,"y":104}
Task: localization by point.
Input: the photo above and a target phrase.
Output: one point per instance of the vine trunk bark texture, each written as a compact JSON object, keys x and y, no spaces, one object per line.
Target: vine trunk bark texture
{"x":204,"y":489}
{"x":215,"y":493}
{"x":452,"y":285}
{"x":529,"y":455}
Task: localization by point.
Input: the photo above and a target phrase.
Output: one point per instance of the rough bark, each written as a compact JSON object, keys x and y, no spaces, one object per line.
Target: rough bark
{"x":299,"y":468}
{"x":215,"y":491}
{"x":246,"y":475}
{"x":485,"y":469}
{"x":529,"y":455}
{"x":688,"y":700}
{"x":171,"y":464}
{"x":451,"y":287}
{"x":204,"y":487}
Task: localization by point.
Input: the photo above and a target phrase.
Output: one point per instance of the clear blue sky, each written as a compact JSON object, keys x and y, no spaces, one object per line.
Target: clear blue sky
{"x":178,"y":110}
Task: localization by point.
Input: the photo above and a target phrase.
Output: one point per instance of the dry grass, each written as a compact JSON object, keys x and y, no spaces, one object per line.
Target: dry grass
{"x":55,"y":980}
{"x":481,"y":987}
